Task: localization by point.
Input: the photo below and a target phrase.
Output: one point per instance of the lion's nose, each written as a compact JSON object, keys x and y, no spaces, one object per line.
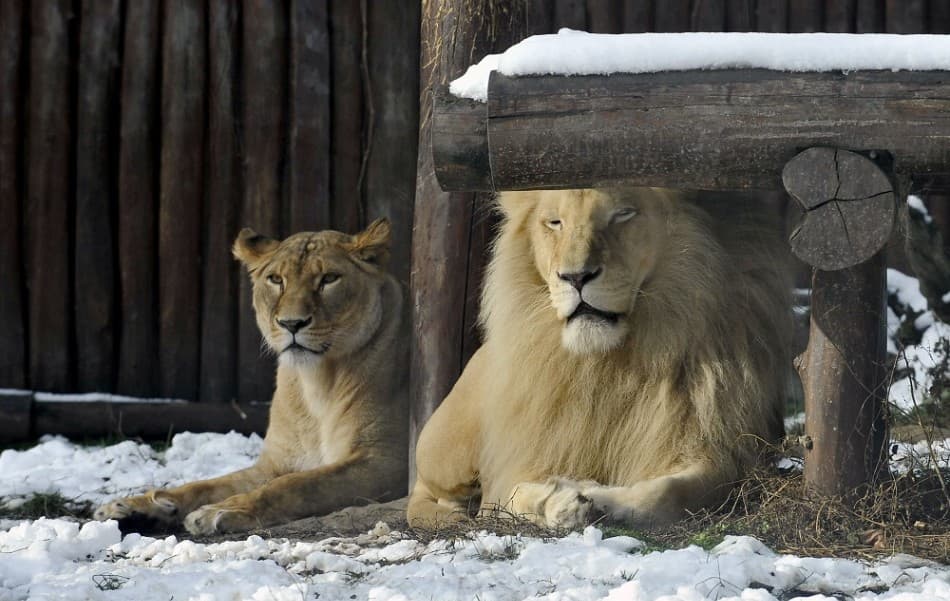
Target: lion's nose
{"x":579,"y":279}
{"x":294,"y":325}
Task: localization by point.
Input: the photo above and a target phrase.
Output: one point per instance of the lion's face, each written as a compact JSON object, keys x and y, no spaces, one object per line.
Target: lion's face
{"x":595,"y":249}
{"x":316,"y":294}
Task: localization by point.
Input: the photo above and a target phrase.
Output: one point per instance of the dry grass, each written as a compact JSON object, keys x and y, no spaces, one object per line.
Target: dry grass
{"x":909,"y":514}
{"x":906,"y":514}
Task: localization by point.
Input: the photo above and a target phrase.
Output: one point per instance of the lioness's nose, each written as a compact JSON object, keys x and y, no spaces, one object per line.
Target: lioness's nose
{"x":294,"y":325}
{"x":580,"y":278}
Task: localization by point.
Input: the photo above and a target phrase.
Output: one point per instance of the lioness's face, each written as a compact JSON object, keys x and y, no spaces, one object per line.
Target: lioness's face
{"x":594,"y":249}
{"x":316,"y":294}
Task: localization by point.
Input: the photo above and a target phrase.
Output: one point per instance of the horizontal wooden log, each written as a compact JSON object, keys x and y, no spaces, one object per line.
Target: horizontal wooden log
{"x":712,"y":130}
{"x":143,"y":419}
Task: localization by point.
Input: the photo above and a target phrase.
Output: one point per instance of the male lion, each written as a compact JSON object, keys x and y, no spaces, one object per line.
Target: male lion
{"x":338,"y":422}
{"x":635,"y":355}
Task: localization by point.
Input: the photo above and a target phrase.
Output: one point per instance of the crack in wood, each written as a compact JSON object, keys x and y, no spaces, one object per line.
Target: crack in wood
{"x":830,"y":200}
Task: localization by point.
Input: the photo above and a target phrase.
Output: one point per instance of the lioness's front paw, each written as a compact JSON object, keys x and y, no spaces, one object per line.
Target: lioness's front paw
{"x":219,"y":518}
{"x":557,"y":503}
{"x":153,"y":508}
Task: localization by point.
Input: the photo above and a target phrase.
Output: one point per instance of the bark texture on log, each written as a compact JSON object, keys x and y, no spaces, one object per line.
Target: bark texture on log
{"x":693,"y":129}
{"x":844,"y":379}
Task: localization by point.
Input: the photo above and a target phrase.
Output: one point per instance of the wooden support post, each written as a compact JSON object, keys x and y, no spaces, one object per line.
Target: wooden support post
{"x":849,"y":212}
{"x":454,"y":34}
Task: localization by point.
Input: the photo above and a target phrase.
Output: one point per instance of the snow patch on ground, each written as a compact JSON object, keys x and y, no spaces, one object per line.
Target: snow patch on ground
{"x":57,"y":559}
{"x":96,"y":474}
{"x":62,"y":559}
{"x":570,"y":52}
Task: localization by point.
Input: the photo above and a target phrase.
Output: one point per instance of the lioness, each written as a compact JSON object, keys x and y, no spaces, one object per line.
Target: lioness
{"x":338,"y":431}
{"x":636,"y":351}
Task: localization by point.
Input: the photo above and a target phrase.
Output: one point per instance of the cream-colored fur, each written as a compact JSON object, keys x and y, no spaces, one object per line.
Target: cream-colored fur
{"x":338,"y":431}
{"x":645,"y":402}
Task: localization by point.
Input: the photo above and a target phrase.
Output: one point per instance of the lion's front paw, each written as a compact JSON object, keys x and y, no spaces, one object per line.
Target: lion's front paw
{"x":155,"y":509}
{"x":219,"y":518}
{"x":557,"y":503}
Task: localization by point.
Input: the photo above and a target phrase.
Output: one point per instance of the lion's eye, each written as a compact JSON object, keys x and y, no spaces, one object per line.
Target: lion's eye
{"x":554,"y":224}
{"x":275,"y":279}
{"x":329,"y":278}
{"x":624,"y":214}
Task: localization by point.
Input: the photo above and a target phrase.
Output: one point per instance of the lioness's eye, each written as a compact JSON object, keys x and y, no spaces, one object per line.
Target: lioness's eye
{"x":329,"y":278}
{"x":624,"y":214}
{"x":554,"y":224}
{"x":275,"y":279}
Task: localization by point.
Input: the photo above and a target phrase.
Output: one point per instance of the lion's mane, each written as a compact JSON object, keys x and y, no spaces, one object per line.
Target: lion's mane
{"x":701,"y":376}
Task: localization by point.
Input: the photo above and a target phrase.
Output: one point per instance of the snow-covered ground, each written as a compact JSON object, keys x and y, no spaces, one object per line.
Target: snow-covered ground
{"x":55,"y":559}
{"x":570,"y":52}
{"x":62,"y":559}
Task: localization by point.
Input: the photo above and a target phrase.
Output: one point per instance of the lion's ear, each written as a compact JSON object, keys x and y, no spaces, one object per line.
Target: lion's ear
{"x":250,"y":247}
{"x":372,"y":244}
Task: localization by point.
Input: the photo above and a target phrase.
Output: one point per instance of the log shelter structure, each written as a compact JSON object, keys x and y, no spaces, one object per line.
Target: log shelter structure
{"x":845,"y":146}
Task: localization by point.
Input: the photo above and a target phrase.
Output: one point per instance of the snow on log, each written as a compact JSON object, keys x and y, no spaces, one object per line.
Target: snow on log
{"x":716,"y":130}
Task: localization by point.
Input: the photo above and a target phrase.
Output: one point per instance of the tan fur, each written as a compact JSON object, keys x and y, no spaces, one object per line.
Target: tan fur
{"x":338,"y":431}
{"x":637,"y":420}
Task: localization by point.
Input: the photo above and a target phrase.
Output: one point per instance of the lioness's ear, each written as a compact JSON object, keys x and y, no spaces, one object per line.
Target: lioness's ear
{"x":372,"y":244}
{"x":250,"y":247}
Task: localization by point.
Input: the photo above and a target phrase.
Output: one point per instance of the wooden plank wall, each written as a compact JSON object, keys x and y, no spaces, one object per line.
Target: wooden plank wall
{"x":138,"y":137}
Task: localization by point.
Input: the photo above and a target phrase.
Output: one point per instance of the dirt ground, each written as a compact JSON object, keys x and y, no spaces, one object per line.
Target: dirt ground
{"x":347,"y":522}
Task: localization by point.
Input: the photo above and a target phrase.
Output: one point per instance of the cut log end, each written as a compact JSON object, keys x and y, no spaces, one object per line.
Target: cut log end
{"x":848,"y":203}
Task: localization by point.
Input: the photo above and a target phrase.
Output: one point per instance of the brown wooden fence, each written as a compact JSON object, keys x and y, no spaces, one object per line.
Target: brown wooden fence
{"x":138,"y":136}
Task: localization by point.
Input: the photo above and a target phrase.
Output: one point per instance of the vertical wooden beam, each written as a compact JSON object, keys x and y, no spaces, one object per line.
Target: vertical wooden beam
{"x":454,"y":34}
{"x":138,"y":194}
{"x":346,"y":44}
{"x":740,"y":15}
{"x":771,"y":16}
{"x":869,"y":16}
{"x":16,"y":407}
{"x":540,"y":17}
{"x":844,"y":378}
{"x":849,"y":206}
{"x":219,"y":299}
{"x":840,"y":16}
{"x":12,"y":311}
{"x":94,"y":271}
{"x":672,"y":16}
{"x":264,"y":94}
{"x":637,"y":16}
{"x":569,"y":13}
{"x":805,"y":15}
{"x":184,"y":68}
{"x":392,"y":90}
{"x":308,"y":161}
{"x":604,"y":16}
{"x":905,"y":16}
{"x":939,"y":19}
{"x":708,"y":15}
{"x":48,"y":192}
